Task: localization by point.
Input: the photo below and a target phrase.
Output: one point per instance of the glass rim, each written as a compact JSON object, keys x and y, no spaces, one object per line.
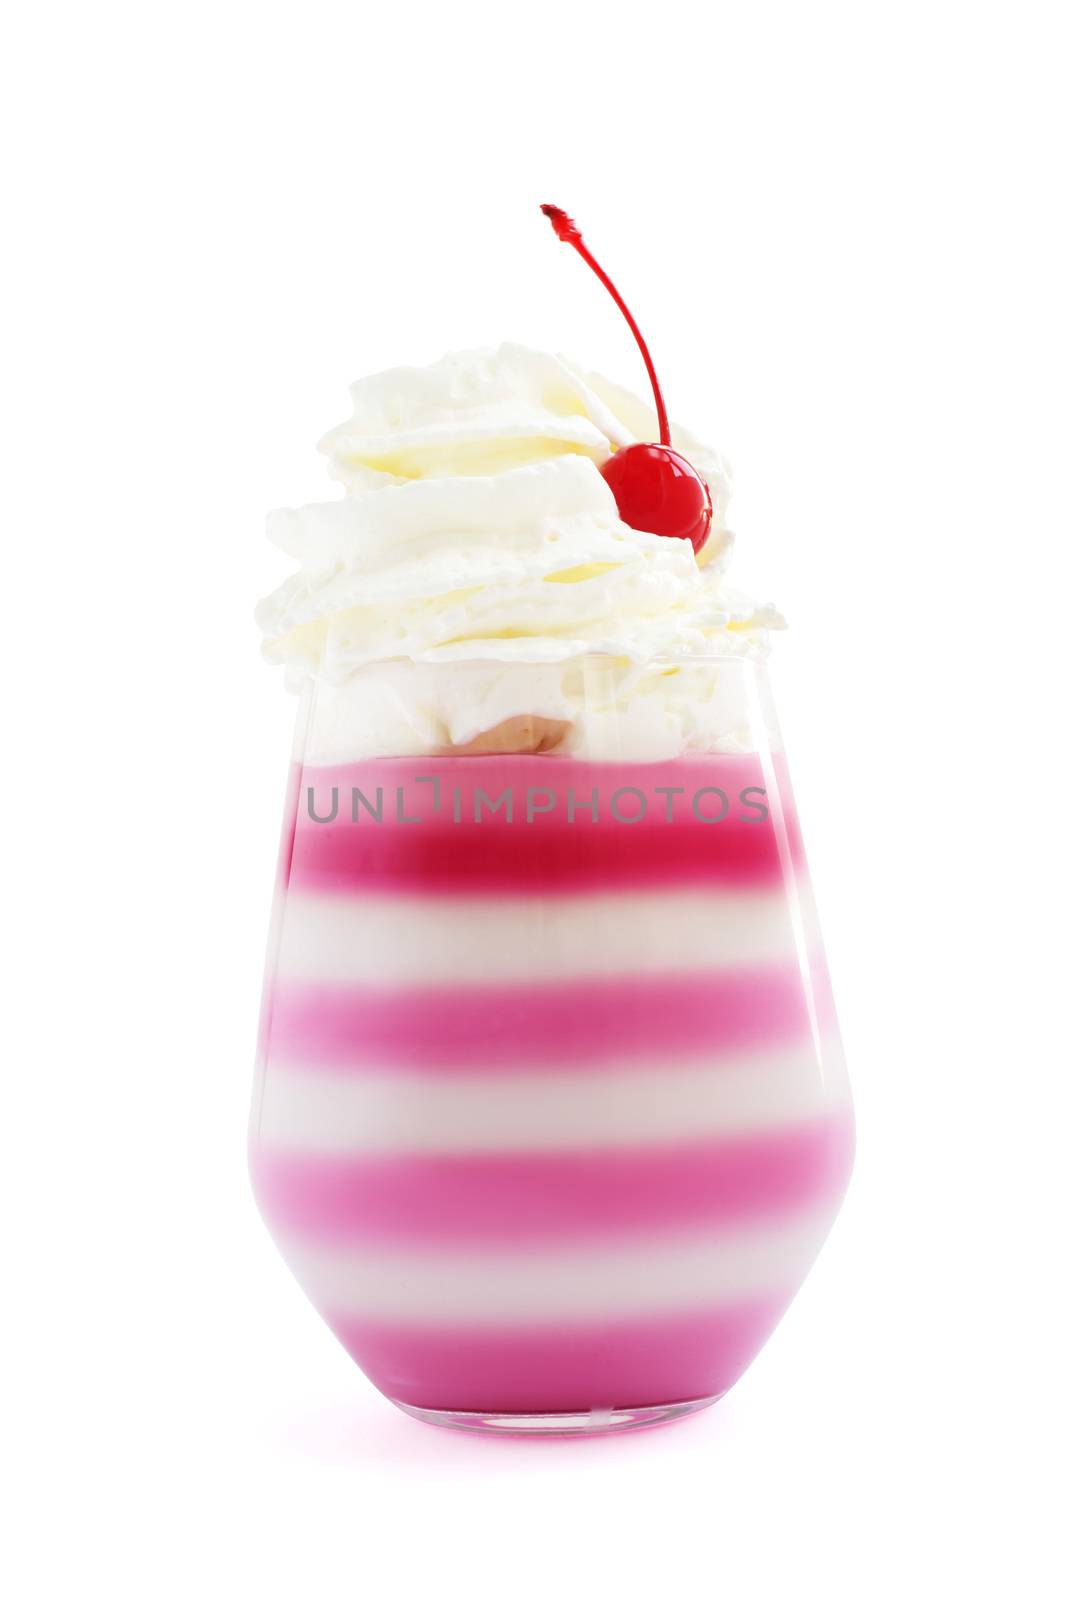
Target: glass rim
{"x":740,"y":658}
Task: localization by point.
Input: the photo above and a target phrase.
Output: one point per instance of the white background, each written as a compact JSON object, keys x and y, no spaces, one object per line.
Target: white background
{"x":842,"y":227}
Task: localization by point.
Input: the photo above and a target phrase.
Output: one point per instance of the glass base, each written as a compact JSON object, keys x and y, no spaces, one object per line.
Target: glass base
{"x":559,"y":1424}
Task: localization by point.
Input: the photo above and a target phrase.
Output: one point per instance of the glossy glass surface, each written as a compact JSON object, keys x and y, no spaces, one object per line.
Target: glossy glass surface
{"x":550,"y":1114}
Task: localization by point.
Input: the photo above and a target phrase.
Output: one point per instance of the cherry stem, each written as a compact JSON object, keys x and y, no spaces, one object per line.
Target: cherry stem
{"x":567,"y":233}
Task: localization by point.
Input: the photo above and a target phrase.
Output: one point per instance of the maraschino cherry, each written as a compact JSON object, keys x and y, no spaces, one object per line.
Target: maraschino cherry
{"x":656,"y":489}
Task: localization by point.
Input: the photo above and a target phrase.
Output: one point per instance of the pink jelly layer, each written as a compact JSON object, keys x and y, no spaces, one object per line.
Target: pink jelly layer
{"x":548,"y":854}
{"x":525,"y":1198}
{"x":617,"y":1365}
{"x":590,"y":1021}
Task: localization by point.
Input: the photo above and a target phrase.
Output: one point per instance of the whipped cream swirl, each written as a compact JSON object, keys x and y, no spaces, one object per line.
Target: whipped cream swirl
{"x":476,"y":525}
{"x":476,"y":529}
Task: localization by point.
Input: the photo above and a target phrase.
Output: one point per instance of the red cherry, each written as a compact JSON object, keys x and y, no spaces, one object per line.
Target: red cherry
{"x":656,"y":489}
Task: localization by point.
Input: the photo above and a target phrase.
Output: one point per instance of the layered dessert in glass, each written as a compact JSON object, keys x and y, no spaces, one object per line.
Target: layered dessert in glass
{"x":550,"y":1116}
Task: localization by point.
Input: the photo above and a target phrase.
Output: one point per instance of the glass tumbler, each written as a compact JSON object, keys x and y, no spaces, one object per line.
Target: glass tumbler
{"x":550,"y":1114}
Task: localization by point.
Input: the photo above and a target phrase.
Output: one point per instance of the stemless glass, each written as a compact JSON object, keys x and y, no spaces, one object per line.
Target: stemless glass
{"x":550,"y":1114}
